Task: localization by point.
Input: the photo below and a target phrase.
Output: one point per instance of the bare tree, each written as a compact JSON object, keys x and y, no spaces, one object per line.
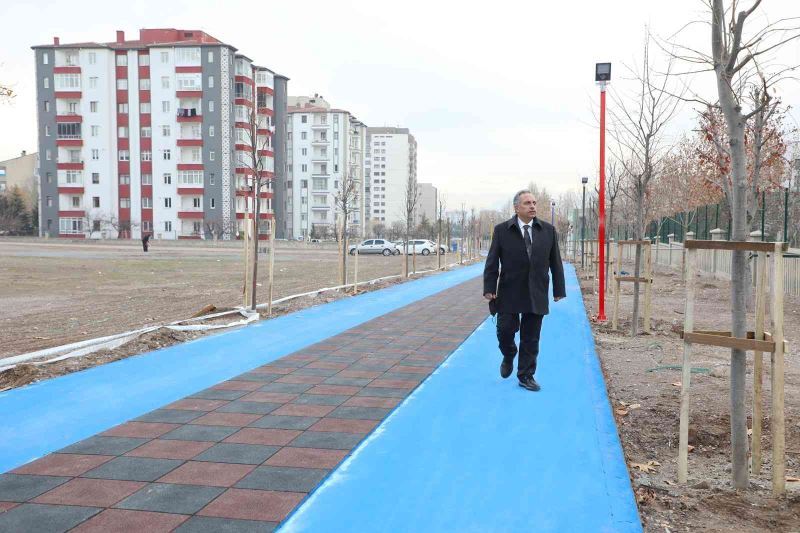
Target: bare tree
{"x":638,"y":129}
{"x":345,"y":200}
{"x":6,"y":93}
{"x":410,"y":204}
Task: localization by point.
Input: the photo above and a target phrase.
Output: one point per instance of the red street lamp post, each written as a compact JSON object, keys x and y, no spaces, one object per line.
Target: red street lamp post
{"x":602,"y":76}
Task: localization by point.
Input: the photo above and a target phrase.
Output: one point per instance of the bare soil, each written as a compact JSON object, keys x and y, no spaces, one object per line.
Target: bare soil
{"x":56,"y":293}
{"x":645,"y":370}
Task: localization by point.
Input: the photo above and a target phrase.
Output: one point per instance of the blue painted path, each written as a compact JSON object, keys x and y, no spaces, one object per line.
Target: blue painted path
{"x":47,"y":416}
{"x":471,"y":452}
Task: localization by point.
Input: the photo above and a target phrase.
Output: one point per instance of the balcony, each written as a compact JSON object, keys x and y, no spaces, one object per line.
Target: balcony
{"x":320,"y":126}
{"x":318,"y":207}
{"x":320,"y":142}
{"x":190,"y":213}
{"x":320,"y":158}
{"x":189,"y":140}
{"x":189,"y":114}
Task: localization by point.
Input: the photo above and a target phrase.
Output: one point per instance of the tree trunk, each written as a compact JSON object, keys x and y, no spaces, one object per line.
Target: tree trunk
{"x":344,"y":249}
{"x":257,"y":211}
{"x":638,"y":259}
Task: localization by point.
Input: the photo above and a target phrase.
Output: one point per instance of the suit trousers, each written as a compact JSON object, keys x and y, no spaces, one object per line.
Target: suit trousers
{"x":529,"y":329}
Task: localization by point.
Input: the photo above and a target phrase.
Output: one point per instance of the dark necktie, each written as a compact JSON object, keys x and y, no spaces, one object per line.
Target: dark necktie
{"x":528,"y":242}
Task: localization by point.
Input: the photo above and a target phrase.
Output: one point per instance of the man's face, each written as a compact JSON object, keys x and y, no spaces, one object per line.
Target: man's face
{"x":527,"y":206}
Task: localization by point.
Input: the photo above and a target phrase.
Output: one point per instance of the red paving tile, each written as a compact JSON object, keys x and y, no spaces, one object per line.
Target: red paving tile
{"x":269,"y":397}
{"x":412,"y":369}
{"x":210,"y":474}
{"x":63,"y":464}
{"x":327,"y":365}
{"x":344,"y":425}
{"x":273,"y":370}
{"x":147,"y":430}
{"x":238,"y":385}
{"x":7,"y":506}
{"x":370,"y":374}
{"x":303,"y":410}
{"x":291,"y":378}
{"x":306,"y":458}
{"x":196,"y":404}
{"x":170,"y":449}
{"x":226,"y":419}
{"x":245,"y":504}
{"x":394,"y":383}
{"x":333,"y":390}
{"x":90,"y":492}
{"x":119,"y":520}
{"x":266,"y":437}
{"x":371,"y":401}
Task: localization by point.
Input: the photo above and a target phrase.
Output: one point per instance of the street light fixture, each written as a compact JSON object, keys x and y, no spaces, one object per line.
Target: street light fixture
{"x":584,"y":180}
{"x":553,"y":212}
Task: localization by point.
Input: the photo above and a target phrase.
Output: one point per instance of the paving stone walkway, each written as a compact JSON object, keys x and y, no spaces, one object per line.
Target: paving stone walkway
{"x":241,"y":455}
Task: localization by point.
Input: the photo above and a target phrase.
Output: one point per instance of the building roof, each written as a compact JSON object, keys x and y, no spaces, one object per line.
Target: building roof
{"x":148,"y":37}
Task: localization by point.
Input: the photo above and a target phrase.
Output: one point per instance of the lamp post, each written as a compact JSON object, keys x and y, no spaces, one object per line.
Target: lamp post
{"x":786,"y":185}
{"x":602,"y":75}
{"x":553,"y":213}
{"x":584,"y":180}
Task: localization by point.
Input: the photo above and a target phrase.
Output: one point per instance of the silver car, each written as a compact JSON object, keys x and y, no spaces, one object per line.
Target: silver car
{"x":374,"y":246}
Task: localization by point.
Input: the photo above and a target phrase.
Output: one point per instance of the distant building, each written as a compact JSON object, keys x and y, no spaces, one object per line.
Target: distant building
{"x":21,"y":172}
{"x":391,"y":162}
{"x":428,"y":203}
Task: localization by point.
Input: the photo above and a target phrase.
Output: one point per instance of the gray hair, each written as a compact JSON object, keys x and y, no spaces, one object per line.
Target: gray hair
{"x":519,"y":194}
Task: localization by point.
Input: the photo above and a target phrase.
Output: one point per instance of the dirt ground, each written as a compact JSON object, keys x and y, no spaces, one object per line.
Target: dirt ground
{"x":56,"y":293}
{"x":645,"y":370}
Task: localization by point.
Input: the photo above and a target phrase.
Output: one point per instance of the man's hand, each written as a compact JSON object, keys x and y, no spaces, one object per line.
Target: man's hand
{"x":489,"y":296}
{"x":557,"y":298}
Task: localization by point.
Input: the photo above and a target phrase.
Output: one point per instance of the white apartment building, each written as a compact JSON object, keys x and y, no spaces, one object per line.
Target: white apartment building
{"x":428,"y":204}
{"x":324,"y":147}
{"x":391,"y":162}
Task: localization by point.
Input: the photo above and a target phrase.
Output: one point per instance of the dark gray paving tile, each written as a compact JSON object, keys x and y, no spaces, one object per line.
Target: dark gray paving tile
{"x":408,"y":376}
{"x":374,"y":367}
{"x":284,"y":422}
{"x":245,"y":454}
{"x":409,"y":362}
{"x":172,"y":416}
{"x":352,"y":382}
{"x":104,"y":445}
{"x":286,"y":387}
{"x":321,"y":399}
{"x":201,"y":433}
{"x":325,"y":372}
{"x":327,"y":439}
{"x":169,"y":498}
{"x":362,"y":413}
{"x":347,"y":359}
{"x":283,"y":479}
{"x":18,"y":488}
{"x":254,"y":408}
{"x":209,"y":524}
{"x":257,"y":376}
{"x":33,"y":517}
{"x":287,"y":363}
{"x":382,"y":392}
{"x":220,"y":394}
{"x":134,"y":469}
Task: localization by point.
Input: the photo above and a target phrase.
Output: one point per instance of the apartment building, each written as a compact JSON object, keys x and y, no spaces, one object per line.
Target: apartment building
{"x":152,"y":136}
{"x":391,"y":160}
{"x":325,"y":147}
{"x":427,"y":205}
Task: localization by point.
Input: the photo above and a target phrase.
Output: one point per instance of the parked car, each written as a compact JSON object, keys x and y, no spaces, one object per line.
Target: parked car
{"x":421,"y":247}
{"x":374,"y":246}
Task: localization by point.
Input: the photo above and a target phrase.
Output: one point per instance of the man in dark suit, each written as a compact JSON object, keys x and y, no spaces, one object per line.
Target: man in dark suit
{"x":526,"y":247}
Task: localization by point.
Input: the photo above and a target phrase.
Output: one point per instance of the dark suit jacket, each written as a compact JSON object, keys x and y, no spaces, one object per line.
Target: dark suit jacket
{"x":524,"y":281}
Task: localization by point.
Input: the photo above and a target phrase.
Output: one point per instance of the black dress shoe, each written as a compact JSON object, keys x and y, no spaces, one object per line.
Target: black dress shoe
{"x":530,"y":384}
{"x":506,"y":367}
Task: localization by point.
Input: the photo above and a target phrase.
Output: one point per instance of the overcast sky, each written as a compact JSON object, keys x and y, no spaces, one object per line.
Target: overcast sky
{"x":498,"y":94}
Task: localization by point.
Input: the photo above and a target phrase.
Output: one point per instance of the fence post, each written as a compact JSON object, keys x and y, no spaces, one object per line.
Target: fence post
{"x":670,"y":240}
{"x":716,"y":235}
{"x":688,"y":237}
{"x":755,"y":236}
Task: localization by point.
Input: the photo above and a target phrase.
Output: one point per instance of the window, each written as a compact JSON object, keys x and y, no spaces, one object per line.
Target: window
{"x":46,"y":82}
{"x":49,"y":176}
{"x":165,"y":106}
{"x":213,"y":204}
{"x":93,"y":107}
{"x":122,"y":108}
{"x":125,"y":203}
{"x":92,"y":58}
{"x":147,"y":225}
{"x":95,"y":154}
{"x":165,"y":130}
{"x":95,"y":225}
{"x":304,"y":168}
{"x":93,"y":82}
{"x":144,"y":108}
{"x":144,"y":84}
{"x":304,"y":151}
{"x":211,"y":131}
{"x":210,"y":82}
{"x":211,"y":156}
{"x":210,"y":56}
{"x":95,"y":178}
{"x":66,"y":82}
{"x":46,"y":106}
{"x":168,"y":202}
{"x":167,"y":155}
{"x":304,"y":118}
{"x":95,"y":201}
{"x":211,"y":106}
{"x":304,"y":184}
{"x":147,"y":202}
{"x":124,"y":179}
{"x":122,"y":132}
{"x":122,"y":83}
{"x":196,"y":203}
{"x":147,"y":179}
{"x":211,"y":178}
{"x":320,"y":183}
{"x":165,"y":57}
{"x":45,"y":59}
{"x":167,"y":178}
{"x":124,"y":155}
{"x":73,"y":226}
{"x":168,"y":225}
{"x":146,"y":132}
{"x":165,"y":82}
{"x":76,"y":201}
{"x":122,"y":60}
{"x":303,"y":135}
{"x":188,"y":56}
{"x":190,"y":177}
{"x":49,"y":201}
{"x":144,"y":60}
{"x":47,"y":130}
{"x":72,"y":177}
{"x":147,"y":155}
{"x":189,"y":82}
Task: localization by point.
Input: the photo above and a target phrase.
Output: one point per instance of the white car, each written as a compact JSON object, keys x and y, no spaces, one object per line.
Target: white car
{"x":374,"y":246}
{"x":424,"y":247}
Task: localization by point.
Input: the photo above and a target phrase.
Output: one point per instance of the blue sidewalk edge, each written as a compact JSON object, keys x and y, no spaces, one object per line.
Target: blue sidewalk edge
{"x":44,"y":417}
